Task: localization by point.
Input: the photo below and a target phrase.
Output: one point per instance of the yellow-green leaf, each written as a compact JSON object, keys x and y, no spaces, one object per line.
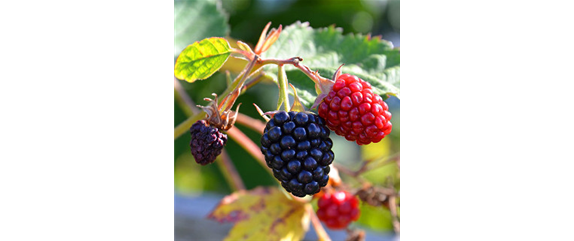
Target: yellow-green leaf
{"x":262,"y":214}
{"x":201,"y":59}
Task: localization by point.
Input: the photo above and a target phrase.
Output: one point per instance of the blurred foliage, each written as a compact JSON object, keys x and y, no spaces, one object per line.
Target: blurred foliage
{"x":246,"y":19}
{"x":355,"y":16}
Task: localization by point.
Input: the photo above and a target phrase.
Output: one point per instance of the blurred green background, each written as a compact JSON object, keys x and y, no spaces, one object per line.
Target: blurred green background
{"x":246,"y":19}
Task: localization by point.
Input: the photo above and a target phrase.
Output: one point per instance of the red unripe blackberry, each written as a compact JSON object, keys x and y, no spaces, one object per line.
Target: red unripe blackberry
{"x":206,"y":142}
{"x":297,"y":148}
{"x":352,"y":110}
{"x":338,"y":209}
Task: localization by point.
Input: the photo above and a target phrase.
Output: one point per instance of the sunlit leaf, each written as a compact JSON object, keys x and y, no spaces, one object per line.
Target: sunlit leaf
{"x":262,"y":214}
{"x":201,"y":59}
{"x":370,"y":58}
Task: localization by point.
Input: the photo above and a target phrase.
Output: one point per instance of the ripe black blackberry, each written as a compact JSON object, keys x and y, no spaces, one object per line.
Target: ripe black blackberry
{"x":206,"y":142}
{"x":297,"y":148}
{"x":207,"y":138}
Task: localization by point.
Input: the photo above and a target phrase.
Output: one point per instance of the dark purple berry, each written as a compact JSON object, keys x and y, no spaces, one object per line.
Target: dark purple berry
{"x":207,"y":142}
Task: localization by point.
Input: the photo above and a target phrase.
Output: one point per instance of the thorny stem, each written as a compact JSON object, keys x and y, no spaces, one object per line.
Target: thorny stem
{"x":253,"y":124}
{"x":293,"y":61}
{"x":185,"y":125}
{"x":319,"y":230}
{"x":229,"y":172}
{"x":237,"y":86}
{"x":249,"y":146}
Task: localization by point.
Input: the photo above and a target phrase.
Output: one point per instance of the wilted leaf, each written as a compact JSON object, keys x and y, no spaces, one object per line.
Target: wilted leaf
{"x":370,"y":58}
{"x":262,"y":214}
{"x":201,"y":59}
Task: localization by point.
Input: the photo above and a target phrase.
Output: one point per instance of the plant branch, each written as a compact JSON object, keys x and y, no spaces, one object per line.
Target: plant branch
{"x":183,"y":99}
{"x":249,"y":146}
{"x":349,"y":172}
{"x":283,"y":94}
{"x":229,"y":172}
{"x":185,"y":125}
{"x":319,"y":230}
{"x":292,"y":61}
{"x":379,"y":162}
{"x":253,"y":124}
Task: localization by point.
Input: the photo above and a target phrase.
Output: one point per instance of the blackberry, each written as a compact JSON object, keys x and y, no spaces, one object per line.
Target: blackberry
{"x":297,"y":148}
{"x":206,"y":142}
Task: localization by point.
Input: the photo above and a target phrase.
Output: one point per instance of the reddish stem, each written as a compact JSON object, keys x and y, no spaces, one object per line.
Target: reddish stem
{"x":229,"y":172}
{"x":249,"y":146}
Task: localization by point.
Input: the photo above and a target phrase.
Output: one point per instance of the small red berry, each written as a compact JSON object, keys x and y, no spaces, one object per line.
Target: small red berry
{"x":352,"y":110}
{"x":338,"y":209}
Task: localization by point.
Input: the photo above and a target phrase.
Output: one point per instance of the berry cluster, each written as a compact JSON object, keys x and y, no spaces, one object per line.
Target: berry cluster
{"x":206,"y":142}
{"x":352,"y":110}
{"x":338,"y":209}
{"x":297,"y":148}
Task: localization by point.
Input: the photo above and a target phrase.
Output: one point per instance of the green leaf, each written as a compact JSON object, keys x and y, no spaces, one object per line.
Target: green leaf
{"x":201,"y":59}
{"x":198,"y":19}
{"x":370,"y":58}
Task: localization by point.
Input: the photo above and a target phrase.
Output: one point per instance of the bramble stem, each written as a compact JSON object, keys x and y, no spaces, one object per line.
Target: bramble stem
{"x":283,"y":94}
{"x":253,"y":124}
{"x":229,"y":172}
{"x":379,"y":162}
{"x":249,"y":146}
{"x":237,"y":85}
{"x":185,"y":125}
{"x":319,"y":230}
{"x":293,"y":61}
